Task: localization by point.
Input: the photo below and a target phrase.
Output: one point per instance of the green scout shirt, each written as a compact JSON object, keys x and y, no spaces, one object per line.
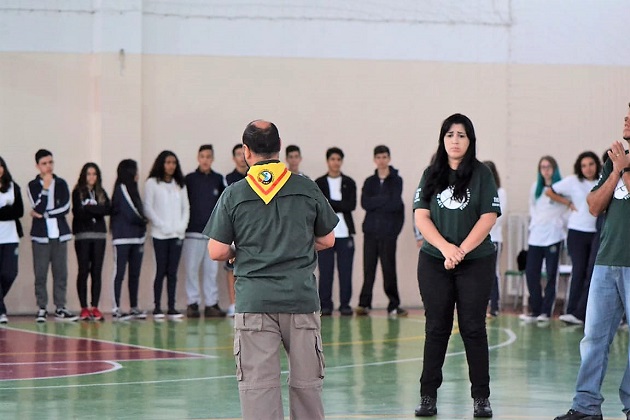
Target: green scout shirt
{"x":455,"y":219}
{"x":613,"y":249}
{"x":275,"y":244}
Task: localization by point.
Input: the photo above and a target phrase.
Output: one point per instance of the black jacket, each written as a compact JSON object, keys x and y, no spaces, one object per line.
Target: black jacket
{"x":348,"y":198}
{"x":14,"y":211}
{"x":89,"y":217}
{"x":127,"y":222}
{"x":39,"y":202}
{"x":384,"y":208}
{"x":204,"y":191}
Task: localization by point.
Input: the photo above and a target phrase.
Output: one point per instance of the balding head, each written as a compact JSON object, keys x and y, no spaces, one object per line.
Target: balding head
{"x":262,"y":138}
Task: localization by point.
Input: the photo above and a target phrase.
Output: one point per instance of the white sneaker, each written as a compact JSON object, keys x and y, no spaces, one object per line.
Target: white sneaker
{"x":542,"y":318}
{"x":230,"y":311}
{"x":526,"y":317}
{"x":571,"y":319}
{"x":4,"y":319}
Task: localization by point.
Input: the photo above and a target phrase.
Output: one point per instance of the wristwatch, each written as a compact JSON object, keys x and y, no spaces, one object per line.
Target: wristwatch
{"x":624,"y":170}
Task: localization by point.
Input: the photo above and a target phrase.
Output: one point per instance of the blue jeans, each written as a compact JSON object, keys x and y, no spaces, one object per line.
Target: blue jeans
{"x":609,"y":297}
{"x":344,"y":248}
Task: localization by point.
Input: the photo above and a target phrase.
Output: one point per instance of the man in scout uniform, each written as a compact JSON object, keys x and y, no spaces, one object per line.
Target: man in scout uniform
{"x":277,"y":222}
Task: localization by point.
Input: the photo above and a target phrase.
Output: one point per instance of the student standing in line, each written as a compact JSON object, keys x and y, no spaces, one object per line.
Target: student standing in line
{"x":341,"y":192}
{"x":50,"y":202}
{"x":294,"y":158}
{"x":239,"y":172}
{"x":128,"y":226}
{"x":168,"y":209}
{"x":204,"y":188}
{"x":90,"y":205}
{"x":571,"y":192}
{"x":11,"y":209}
{"x":455,"y":206}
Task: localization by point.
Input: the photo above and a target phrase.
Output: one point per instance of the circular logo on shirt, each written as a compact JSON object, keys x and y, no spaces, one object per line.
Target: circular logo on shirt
{"x":265,"y":177}
{"x":445,"y":199}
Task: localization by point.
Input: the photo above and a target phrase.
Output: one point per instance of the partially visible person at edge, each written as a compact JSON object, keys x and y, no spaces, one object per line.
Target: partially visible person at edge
{"x":293,"y":155}
{"x":496,"y":236}
{"x":128,"y":226}
{"x":381,"y":197}
{"x":341,"y":192}
{"x":90,"y":205}
{"x":455,"y":206}
{"x":166,"y":206}
{"x":547,"y":232}
{"x":609,"y":296}
{"x":572,"y":191}
{"x":11,"y":210}
{"x":239,"y":172}
{"x":50,"y":202}
{"x":204,"y":187}
{"x":277,"y":222}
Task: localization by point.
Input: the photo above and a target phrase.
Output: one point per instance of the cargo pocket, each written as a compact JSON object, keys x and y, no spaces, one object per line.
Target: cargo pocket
{"x":320,"y":355}
{"x":237,"y":357}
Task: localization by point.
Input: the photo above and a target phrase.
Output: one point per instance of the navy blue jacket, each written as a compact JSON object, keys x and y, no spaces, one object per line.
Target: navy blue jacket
{"x":348,"y":198}
{"x":234,"y":176}
{"x":384,"y":208}
{"x":127,"y":223}
{"x":204,"y":191}
{"x":39,"y":202}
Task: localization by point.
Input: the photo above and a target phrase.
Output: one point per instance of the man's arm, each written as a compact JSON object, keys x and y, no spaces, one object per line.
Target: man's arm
{"x":325,"y":242}
{"x":219,"y":251}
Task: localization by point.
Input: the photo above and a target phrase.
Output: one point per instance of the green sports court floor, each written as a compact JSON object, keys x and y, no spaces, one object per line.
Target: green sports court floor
{"x":185,"y":370}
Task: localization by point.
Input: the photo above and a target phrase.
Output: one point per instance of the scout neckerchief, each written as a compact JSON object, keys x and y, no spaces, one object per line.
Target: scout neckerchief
{"x":267,"y":179}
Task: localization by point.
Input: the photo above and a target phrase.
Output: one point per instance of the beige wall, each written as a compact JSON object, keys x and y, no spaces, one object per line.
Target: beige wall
{"x":106,"y":107}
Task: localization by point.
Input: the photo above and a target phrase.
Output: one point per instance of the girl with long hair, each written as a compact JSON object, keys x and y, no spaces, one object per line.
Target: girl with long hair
{"x":11,"y":209}
{"x":571,"y":192}
{"x":128,"y":226}
{"x":167,"y":207}
{"x":90,"y":205}
{"x":546,"y":234}
{"x":455,"y":206}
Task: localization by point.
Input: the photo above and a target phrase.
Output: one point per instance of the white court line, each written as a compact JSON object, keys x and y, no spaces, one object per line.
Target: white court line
{"x":115,"y":367}
{"x":511,"y":339}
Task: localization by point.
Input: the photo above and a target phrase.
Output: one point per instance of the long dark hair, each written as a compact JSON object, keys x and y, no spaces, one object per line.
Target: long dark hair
{"x":493,"y":168}
{"x":6,"y":179}
{"x":82,"y":185}
{"x":126,"y":175}
{"x":577,"y":166}
{"x":157,"y":171}
{"x":438,"y":174}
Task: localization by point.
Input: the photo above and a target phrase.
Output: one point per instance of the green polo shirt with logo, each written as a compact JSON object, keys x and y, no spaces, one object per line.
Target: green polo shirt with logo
{"x":453,"y":218}
{"x":275,"y":244}
{"x":613,"y":249}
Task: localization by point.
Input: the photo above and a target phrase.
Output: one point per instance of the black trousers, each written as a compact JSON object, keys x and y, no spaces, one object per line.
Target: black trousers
{"x":167,"y":254}
{"x":467,"y":288}
{"x":90,"y":255}
{"x":375,"y":248}
{"x":579,"y":245}
{"x":8,"y":271}
{"x":344,"y":248}
{"x":132,"y":254}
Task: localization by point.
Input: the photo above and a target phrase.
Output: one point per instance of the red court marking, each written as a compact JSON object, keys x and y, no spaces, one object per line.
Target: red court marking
{"x":31,"y":355}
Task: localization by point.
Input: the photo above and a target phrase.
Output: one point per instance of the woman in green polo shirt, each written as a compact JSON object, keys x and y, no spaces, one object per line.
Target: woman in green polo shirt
{"x":455,"y":206}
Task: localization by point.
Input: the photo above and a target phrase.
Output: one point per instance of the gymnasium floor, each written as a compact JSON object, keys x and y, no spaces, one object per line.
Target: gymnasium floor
{"x":185,"y":370}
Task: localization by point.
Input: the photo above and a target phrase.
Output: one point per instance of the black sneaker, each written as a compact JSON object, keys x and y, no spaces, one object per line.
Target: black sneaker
{"x":326,"y":312}
{"x":481,"y":407}
{"x":174,"y":314}
{"x":63,"y":314}
{"x":158,"y":314}
{"x":41,"y":315}
{"x":213,"y":312}
{"x":427,"y":407}
{"x":576,"y":415}
{"x":137,"y":313}
{"x":193,"y":311}
{"x":118,"y":315}
{"x":346,"y":311}
{"x":398,"y":312}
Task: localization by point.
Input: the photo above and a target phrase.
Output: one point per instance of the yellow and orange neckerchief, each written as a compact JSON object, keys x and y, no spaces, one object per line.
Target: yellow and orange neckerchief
{"x":267,"y":179}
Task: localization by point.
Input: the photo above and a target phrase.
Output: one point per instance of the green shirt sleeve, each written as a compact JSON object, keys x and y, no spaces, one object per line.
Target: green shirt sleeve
{"x":219,"y":226}
{"x":490,"y":202}
{"x":418,"y":200}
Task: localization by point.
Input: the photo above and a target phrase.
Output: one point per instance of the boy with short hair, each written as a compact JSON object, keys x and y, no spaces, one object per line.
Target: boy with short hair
{"x":294,"y":158}
{"x":50,"y":200}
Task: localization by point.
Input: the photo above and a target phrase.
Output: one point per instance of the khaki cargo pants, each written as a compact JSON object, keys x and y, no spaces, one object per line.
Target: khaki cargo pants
{"x":257,"y":340}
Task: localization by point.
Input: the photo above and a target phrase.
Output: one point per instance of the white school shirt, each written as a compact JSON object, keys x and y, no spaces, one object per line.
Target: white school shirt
{"x":334,"y":185}
{"x":547,"y":219}
{"x":577,"y":190}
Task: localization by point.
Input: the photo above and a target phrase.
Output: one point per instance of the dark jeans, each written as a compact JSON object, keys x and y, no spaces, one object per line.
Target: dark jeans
{"x":90,"y":255}
{"x":535,"y":255}
{"x":494,"y":293}
{"x":467,"y":288}
{"x":579,"y":245}
{"x":167,"y":254}
{"x":344,"y":248}
{"x":132,"y":254}
{"x":8,"y":271}
{"x":385,"y":249}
